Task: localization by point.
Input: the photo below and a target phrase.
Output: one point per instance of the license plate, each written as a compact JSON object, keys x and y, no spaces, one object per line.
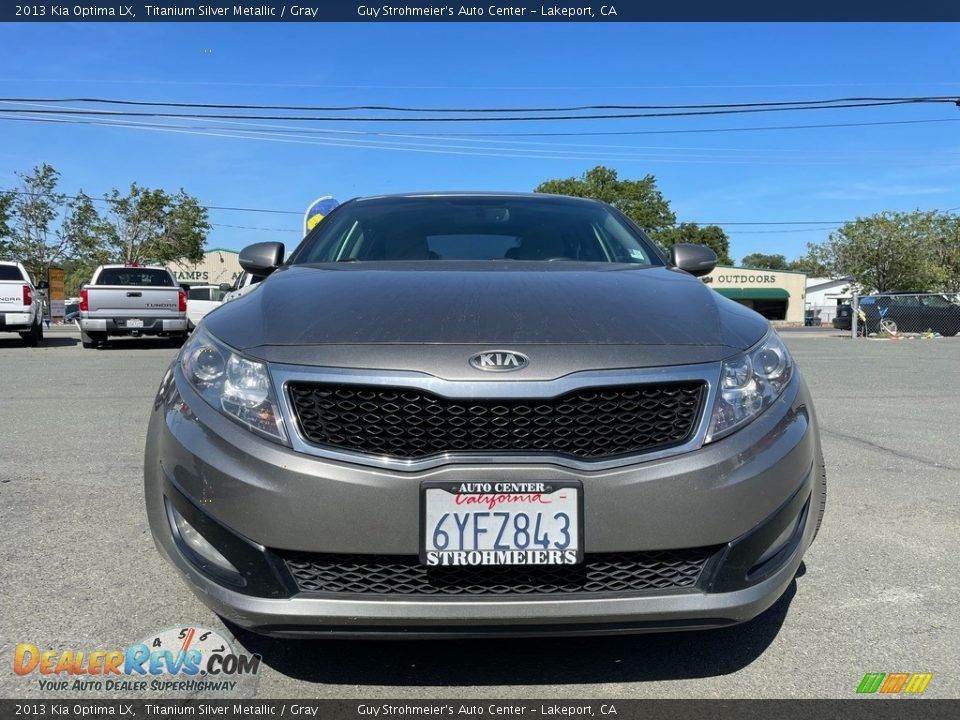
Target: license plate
{"x":501,"y":523}
{"x":134,"y":323}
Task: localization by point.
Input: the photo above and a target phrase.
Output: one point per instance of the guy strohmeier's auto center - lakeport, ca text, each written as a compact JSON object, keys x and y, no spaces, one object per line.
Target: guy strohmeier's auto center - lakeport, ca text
{"x":363,"y":11}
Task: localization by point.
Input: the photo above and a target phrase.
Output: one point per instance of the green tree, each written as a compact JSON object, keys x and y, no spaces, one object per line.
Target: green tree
{"x":153,"y":226}
{"x":814,"y":263}
{"x":945,"y":250}
{"x":47,"y":226}
{"x":712,"y":236}
{"x":639,"y":200}
{"x":6,"y":217}
{"x":887,"y":251}
{"x":762,"y":261}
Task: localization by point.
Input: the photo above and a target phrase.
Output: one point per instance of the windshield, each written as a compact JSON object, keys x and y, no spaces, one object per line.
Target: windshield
{"x":474,"y":228}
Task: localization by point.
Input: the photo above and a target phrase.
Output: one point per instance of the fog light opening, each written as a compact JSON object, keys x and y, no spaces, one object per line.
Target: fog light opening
{"x":199,"y":550}
{"x":783,"y":540}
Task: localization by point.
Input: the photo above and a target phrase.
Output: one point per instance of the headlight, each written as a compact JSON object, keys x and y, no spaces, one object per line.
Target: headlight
{"x":749,"y":384}
{"x":233,"y":384}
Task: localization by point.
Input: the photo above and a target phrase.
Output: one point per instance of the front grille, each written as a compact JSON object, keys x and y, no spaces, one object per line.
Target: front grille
{"x":404,"y":575}
{"x":408,"y":423}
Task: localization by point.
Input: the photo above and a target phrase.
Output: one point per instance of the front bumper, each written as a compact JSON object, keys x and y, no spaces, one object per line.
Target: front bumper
{"x":254,"y":499}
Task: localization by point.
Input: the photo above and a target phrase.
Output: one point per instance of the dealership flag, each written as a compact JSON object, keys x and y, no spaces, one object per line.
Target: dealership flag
{"x":316,"y":212}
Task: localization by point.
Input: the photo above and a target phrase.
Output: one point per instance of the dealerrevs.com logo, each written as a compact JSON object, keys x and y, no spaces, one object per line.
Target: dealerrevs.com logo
{"x":894,"y":683}
{"x":186,"y":659}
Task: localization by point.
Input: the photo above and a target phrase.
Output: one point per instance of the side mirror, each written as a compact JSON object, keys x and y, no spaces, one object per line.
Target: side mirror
{"x":695,"y":259}
{"x":262,"y":258}
{"x":226,"y":287}
{"x":43,"y":285}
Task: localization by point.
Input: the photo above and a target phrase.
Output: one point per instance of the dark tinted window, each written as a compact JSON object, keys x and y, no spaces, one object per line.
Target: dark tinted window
{"x":474,"y":228}
{"x":10,"y":272}
{"x":135,"y":276}
{"x":937,"y":301}
{"x":198,"y":294}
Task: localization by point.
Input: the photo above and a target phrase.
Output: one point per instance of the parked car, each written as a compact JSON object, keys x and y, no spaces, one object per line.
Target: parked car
{"x":244,"y":283}
{"x":842,"y":320}
{"x":201,"y":299}
{"x":909,"y":312}
{"x":483,"y":414}
{"x":132,"y":300}
{"x":21,"y":309}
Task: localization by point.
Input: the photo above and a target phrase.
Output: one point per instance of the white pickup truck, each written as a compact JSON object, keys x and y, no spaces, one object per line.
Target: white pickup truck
{"x":20,"y":308}
{"x":244,"y":283}
{"x":201,"y":299}
{"x":132,"y":300}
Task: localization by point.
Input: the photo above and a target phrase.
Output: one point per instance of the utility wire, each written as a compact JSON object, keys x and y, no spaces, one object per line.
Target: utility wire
{"x":498,"y":118}
{"x":300,"y":214}
{"x":254,"y":127}
{"x":466,"y":135}
{"x":346,"y":139}
{"x":799,"y":104}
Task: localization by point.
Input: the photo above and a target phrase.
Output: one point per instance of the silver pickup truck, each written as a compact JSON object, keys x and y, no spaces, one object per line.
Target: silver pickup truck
{"x":132,"y":300}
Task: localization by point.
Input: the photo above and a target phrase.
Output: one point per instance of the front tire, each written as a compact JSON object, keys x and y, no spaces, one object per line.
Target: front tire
{"x":819,"y":499}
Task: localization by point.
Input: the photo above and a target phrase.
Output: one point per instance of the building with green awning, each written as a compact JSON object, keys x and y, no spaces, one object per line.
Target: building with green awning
{"x":777,"y":295}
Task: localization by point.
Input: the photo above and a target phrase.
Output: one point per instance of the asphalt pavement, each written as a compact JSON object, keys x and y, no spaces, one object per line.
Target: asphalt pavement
{"x":878,"y":592}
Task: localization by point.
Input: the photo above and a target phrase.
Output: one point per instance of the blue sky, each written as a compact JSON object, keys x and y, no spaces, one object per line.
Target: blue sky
{"x":825,"y":174}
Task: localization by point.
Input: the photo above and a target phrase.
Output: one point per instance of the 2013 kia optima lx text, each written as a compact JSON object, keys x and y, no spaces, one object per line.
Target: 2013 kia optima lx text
{"x":483,"y":414}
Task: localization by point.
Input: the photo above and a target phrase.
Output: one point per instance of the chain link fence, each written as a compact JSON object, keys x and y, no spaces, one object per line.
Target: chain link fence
{"x":900,"y":315}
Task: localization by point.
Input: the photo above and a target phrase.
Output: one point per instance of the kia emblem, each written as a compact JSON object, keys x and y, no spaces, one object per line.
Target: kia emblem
{"x":499,"y":361}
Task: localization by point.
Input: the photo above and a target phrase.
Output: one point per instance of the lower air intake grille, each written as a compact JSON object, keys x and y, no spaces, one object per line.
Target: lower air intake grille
{"x":404,"y":575}
{"x":406,"y":423}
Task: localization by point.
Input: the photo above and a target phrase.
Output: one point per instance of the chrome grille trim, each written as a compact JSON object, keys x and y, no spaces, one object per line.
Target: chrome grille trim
{"x":282,"y":374}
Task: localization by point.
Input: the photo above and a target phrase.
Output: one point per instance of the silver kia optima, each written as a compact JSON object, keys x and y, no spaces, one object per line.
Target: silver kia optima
{"x":483,"y":414}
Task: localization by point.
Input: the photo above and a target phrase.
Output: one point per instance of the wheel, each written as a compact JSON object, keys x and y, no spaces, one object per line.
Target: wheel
{"x":90,"y":340}
{"x":888,"y":326}
{"x":820,"y":494}
{"x":33,"y":336}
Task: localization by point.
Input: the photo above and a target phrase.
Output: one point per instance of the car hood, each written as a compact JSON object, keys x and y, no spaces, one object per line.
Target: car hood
{"x":508,"y":304}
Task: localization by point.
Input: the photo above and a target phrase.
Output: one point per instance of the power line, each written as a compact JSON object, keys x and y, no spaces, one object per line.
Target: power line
{"x":795,"y":104}
{"x":208,"y":207}
{"x":691,"y":131}
{"x":466,"y":135}
{"x":300,"y":214}
{"x":498,"y":118}
{"x":347,"y":139}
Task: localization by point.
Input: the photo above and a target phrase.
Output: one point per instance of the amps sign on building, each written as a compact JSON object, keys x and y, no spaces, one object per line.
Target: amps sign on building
{"x":774,"y":294}
{"x":217,"y":267}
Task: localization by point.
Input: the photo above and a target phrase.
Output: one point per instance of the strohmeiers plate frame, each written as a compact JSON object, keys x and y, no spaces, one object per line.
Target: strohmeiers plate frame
{"x":548,"y":485}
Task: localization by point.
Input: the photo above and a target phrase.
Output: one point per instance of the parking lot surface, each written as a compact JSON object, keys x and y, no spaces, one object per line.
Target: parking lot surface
{"x":878,"y":592}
